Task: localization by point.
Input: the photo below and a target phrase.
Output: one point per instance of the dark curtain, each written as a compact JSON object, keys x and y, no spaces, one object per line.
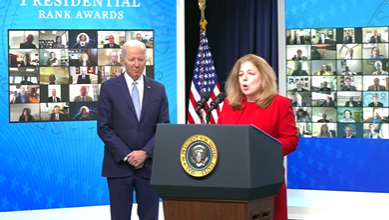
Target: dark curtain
{"x":235,"y":28}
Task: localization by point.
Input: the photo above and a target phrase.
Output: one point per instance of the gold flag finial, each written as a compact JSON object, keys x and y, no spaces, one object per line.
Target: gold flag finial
{"x":202,"y":7}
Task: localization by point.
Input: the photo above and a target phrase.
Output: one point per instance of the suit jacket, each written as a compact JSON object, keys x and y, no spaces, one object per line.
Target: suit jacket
{"x":328,"y":104}
{"x":18,"y":99}
{"x":29,"y":118}
{"x":61,"y":117}
{"x":352,"y":136}
{"x":119,"y":128}
{"x":27,"y":46}
{"x":299,"y":73}
{"x":352,"y":88}
{"x":111,"y":64}
{"x":379,"y":104}
{"x":25,"y":82}
{"x":79,"y":98}
{"x":87,"y":63}
{"x":375,"y":135}
{"x":380,"y":88}
{"x":114,"y":46}
{"x":295,"y":90}
{"x":355,"y":104}
{"x":325,"y":90}
{"x":50,"y":99}
{"x":348,"y":39}
{"x":372,"y":39}
{"x":301,"y":40}
{"x":326,"y":41}
{"x":377,"y":120}
{"x":303,"y":104}
{"x":277,"y":120}
{"x":83,"y":81}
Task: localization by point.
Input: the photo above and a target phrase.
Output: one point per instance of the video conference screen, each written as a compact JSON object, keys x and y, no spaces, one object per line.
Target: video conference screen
{"x":337,"y":81}
{"x":55,"y":75}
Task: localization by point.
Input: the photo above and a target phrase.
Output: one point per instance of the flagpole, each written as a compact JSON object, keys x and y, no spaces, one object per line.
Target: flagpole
{"x":202,"y":7}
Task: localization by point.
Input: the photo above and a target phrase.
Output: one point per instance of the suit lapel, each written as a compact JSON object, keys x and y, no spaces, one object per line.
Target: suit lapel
{"x":122,"y":84}
{"x":147,"y":91}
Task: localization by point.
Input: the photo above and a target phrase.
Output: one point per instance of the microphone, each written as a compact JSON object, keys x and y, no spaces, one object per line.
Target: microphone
{"x":219,"y":99}
{"x":204,"y":98}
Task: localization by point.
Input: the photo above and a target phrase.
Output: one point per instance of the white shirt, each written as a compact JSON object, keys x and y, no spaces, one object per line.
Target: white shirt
{"x":130,"y":84}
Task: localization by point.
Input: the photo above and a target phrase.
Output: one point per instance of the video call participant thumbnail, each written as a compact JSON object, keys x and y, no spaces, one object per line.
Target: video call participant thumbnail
{"x":28,"y":43}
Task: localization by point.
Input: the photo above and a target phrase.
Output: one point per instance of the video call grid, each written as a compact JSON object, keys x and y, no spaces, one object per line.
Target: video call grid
{"x":337,"y":81}
{"x":60,"y":71}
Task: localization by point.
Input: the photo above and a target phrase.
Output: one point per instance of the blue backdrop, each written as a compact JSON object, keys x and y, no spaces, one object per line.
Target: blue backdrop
{"x":53,"y":165}
{"x":336,"y":163}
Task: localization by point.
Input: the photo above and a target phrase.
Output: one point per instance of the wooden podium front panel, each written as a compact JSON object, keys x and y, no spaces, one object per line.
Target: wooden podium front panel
{"x":188,"y":209}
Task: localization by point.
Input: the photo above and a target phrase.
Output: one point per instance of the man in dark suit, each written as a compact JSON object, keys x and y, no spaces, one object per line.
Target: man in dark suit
{"x":325,"y":89}
{"x":22,"y":97}
{"x":324,"y":118}
{"x":299,"y":87}
{"x":111,"y":43}
{"x":348,"y":39}
{"x":376,"y":86}
{"x":28,"y":44}
{"x":328,"y":102}
{"x":375,"y":38}
{"x":130,"y":107}
{"x":323,"y":39}
{"x":351,"y":103}
{"x":375,"y":102}
{"x":298,"y":39}
{"x":83,"y":78}
{"x":299,"y":71}
{"x":53,"y":97}
{"x":57,"y":115}
{"x":349,"y":132}
{"x":25,"y":81}
{"x":372,"y":134}
{"x":347,"y":85}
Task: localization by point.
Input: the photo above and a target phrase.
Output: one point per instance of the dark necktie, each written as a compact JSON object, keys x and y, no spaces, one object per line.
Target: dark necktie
{"x":83,"y":99}
{"x":371,"y":135}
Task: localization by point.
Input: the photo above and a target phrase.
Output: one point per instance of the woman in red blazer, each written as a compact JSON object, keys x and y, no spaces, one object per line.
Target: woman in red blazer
{"x":252,"y":99}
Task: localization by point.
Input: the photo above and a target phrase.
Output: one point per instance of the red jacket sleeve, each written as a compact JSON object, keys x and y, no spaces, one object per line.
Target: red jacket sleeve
{"x":287,"y":130}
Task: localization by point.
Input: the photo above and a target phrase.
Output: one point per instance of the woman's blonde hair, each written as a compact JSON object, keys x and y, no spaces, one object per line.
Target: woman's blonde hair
{"x":268,"y":87}
{"x":85,"y":55}
{"x":327,"y":132}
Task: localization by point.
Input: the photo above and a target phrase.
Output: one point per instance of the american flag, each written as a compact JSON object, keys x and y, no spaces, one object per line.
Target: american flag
{"x":204,"y":80}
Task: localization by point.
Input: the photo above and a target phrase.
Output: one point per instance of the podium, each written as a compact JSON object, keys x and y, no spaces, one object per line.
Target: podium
{"x":242,"y":183}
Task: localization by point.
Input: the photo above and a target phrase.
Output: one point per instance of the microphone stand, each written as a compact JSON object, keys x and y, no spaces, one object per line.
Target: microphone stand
{"x":200,"y":116}
{"x":207,"y":117}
